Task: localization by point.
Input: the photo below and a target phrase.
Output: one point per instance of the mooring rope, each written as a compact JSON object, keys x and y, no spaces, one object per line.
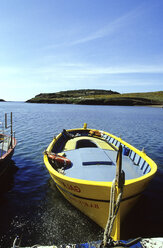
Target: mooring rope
{"x":117,"y":186}
{"x":113,"y":210}
{"x":17,"y":239}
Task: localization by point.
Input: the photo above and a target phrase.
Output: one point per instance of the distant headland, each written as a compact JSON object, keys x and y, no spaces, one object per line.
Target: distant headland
{"x":100,"y":97}
{"x":1,"y":100}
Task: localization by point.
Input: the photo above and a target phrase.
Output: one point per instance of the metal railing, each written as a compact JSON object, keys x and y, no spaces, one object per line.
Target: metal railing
{"x":137,"y":157}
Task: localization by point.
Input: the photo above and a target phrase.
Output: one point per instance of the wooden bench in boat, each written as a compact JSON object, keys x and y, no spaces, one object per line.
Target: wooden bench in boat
{"x":79,"y":142}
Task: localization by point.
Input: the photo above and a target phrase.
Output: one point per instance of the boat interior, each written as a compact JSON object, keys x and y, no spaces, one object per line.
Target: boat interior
{"x":5,"y":142}
{"x":94,"y":158}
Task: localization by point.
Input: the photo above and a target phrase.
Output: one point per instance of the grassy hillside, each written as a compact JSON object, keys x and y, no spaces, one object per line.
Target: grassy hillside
{"x":75,"y":94}
{"x":100,"y":97}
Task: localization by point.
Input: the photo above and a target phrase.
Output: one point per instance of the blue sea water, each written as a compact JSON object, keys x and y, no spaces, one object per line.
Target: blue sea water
{"x":31,"y":206}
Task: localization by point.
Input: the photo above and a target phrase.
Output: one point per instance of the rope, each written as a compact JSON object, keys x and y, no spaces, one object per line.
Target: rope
{"x":16,"y":240}
{"x":113,"y":210}
{"x":117,"y":185}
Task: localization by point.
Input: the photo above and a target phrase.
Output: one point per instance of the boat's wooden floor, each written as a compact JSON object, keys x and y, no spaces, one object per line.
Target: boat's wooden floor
{"x":96,"y":164}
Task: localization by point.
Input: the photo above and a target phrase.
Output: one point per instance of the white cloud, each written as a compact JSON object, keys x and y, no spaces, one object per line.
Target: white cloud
{"x":72,"y":70}
{"x":106,"y":30}
{"x":123,"y":70}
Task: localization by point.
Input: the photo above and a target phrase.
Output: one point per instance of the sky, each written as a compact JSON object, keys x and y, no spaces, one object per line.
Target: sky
{"x":48,"y":46}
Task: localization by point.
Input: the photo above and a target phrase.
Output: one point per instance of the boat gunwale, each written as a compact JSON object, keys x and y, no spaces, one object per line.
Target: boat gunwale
{"x":142,"y":154}
{"x":9,"y":151}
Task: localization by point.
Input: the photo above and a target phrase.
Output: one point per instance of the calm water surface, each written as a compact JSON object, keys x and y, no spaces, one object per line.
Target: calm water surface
{"x":33,"y":208}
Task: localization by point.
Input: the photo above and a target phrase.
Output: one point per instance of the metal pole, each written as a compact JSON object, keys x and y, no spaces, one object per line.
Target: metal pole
{"x":11,"y":131}
{"x":6,"y":120}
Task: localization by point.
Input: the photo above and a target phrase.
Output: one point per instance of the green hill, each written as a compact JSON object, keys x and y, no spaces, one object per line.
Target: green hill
{"x":100,"y":97}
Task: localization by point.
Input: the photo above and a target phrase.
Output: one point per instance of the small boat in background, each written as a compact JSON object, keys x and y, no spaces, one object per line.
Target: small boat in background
{"x":83,"y":163}
{"x":7,"y":144}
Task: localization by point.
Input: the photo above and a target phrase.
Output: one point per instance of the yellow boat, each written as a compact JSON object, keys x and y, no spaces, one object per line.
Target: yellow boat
{"x":82,"y":163}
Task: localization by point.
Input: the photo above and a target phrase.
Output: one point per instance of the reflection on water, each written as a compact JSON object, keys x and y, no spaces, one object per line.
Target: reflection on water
{"x":33,"y":208}
{"x":146,"y":218}
{"x":7,"y":180}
